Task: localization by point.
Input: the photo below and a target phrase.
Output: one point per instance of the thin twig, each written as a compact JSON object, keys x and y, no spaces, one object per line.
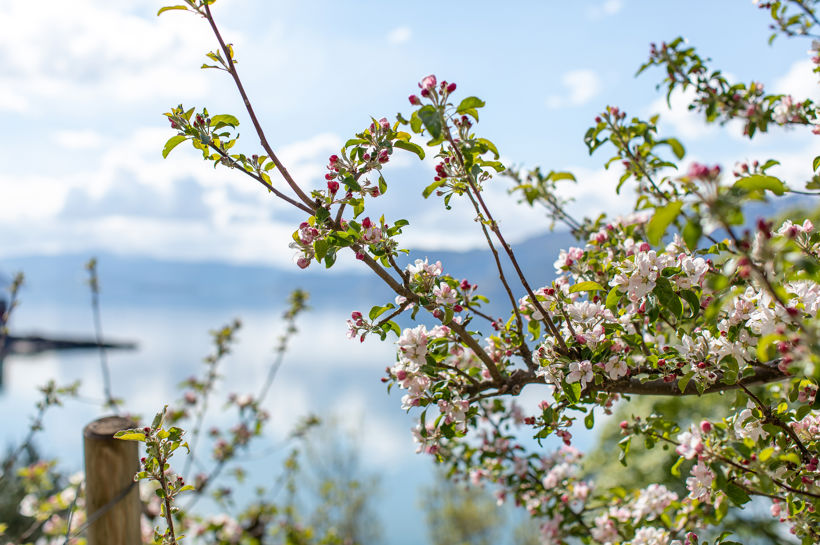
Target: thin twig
{"x":774,"y":419}
{"x":262,"y":139}
{"x":94,"y":285}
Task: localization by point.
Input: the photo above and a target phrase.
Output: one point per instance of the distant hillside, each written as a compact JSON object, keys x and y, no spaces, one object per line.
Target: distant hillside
{"x":137,"y":281}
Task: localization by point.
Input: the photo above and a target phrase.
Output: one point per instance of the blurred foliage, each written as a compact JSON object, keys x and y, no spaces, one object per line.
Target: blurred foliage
{"x":754,"y":525}
{"x":460,"y":514}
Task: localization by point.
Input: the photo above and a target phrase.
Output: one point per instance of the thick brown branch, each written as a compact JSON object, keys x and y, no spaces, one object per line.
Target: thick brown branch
{"x":762,"y":375}
{"x":520,"y":378}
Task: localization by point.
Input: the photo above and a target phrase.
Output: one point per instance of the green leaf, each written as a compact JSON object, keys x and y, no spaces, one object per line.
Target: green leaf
{"x":573,"y":391}
{"x":694,"y":303}
{"x":354,"y":142}
{"x":790,"y":457}
{"x":667,"y":296}
{"x":468,"y":106}
{"x":612,"y":299}
{"x":431,"y":118}
{"x":761,"y":182}
{"x":769,"y":164}
{"x":675,"y":469}
{"x":159,"y":418}
{"x":586,"y":286}
{"x":169,"y":8}
{"x":661,"y":220}
{"x":623,"y":444}
{"x":676,"y":146}
{"x":224,"y":120}
{"x":320,"y":248}
{"x":377,"y":311}
{"x":415,"y":122}
{"x":684,"y":381}
{"x":172,"y":142}
{"x":816,"y":163}
{"x":490,"y":146}
{"x":130,"y":435}
{"x":737,"y":494}
{"x":410,"y":146}
{"x":558,"y":176}
{"x":589,"y":420}
{"x":330,"y":258}
{"x":691,"y":233}
{"x":765,"y":346}
{"x":432,"y":187}
{"x":322,"y":214}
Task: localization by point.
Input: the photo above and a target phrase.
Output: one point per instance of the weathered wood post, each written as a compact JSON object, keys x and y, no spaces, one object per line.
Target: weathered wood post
{"x":110,"y":465}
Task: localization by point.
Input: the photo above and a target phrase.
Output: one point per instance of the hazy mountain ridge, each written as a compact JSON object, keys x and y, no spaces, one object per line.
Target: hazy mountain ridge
{"x":143,"y":281}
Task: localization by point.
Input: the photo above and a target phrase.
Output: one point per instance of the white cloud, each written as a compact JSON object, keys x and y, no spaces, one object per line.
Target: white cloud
{"x":604,"y":9}
{"x":581,"y":86}
{"x":799,"y":81}
{"x":128,"y":199}
{"x":77,"y":139}
{"x":399,"y":35}
{"x":93,"y":53}
{"x":11,"y":100}
{"x":679,"y":121}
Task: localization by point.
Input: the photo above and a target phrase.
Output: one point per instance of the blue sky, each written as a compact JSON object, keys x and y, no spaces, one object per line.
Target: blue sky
{"x":83,"y":86}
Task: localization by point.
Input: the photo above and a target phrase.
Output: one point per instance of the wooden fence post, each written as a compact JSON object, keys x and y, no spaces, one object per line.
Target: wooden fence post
{"x":110,"y":465}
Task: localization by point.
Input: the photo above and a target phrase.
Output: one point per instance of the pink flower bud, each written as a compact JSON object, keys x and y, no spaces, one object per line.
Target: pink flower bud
{"x":705,"y":426}
{"x":428,"y":83}
{"x":451,"y":87}
{"x":303,"y":262}
{"x":414,"y":100}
